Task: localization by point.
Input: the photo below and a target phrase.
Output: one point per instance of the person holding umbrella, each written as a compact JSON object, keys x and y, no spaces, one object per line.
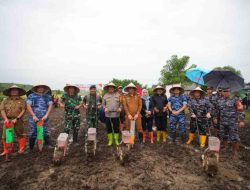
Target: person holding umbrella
{"x":12,"y":110}
{"x":231,"y":118}
{"x":112,"y":108}
{"x":212,"y":99}
{"x":200,"y":109}
{"x":71,"y":102}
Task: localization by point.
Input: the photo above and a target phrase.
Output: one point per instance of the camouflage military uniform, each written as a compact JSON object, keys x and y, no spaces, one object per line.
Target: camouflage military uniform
{"x":199,"y":107}
{"x":92,"y":101}
{"x":71,"y":115}
{"x":229,"y":118}
{"x":176,"y":103}
{"x":13,"y":107}
{"x":217,"y":99}
{"x":213,"y":104}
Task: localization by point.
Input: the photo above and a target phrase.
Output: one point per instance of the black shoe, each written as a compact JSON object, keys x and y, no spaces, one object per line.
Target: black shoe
{"x":75,"y":137}
{"x":140,"y":136}
{"x":173,"y":136}
{"x":183,"y":138}
{"x":47,"y":142}
{"x":32,"y":143}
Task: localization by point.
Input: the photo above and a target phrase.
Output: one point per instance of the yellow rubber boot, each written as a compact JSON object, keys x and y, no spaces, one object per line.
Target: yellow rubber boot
{"x":203,"y":139}
{"x":158,"y":136}
{"x":190,"y":138}
{"x":117,"y":139}
{"x":110,"y":139}
{"x":164,"y":136}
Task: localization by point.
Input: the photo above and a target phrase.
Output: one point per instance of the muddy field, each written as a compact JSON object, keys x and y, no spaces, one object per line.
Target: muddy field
{"x":158,"y":166}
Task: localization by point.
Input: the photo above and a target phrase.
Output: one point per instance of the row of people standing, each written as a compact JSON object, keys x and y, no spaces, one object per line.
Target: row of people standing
{"x":218,"y":110}
{"x":13,"y":108}
{"x":143,"y":110}
{"x":226,"y":112}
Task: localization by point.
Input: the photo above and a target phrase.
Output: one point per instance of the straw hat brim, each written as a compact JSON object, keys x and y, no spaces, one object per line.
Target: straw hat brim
{"x":172,"y":89}
{"x":126,"y":89}
{"x":47,"y":88}
{"x":109,"y":85}
{"x":201,"y":91}
{"x":159,"y":88}
{"x":66,"y":88}
{"x":22,"y":92}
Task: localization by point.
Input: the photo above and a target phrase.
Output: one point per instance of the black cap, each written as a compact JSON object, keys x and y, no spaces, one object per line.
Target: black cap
{"x":92,"y":86}
{"x":210,"y":88}
{"x":219,"y":89}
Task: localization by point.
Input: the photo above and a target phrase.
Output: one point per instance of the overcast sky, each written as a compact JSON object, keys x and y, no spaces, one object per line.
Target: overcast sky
{"x":80,"y":41}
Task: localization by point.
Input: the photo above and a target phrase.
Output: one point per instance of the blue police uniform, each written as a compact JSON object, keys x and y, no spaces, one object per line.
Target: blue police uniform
{"x":176,"y":103}
{"x":39,"y":105}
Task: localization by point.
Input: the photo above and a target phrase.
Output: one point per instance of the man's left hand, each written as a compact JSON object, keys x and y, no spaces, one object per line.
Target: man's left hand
{"x":242,"y":124}
{"x":44,"y":117}
{"x":208,"y":115}
{"x":136,"y":116}
{"x":14,"y":121}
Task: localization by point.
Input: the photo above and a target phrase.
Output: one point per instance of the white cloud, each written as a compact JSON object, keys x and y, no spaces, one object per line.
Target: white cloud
{"x":95,"y":41}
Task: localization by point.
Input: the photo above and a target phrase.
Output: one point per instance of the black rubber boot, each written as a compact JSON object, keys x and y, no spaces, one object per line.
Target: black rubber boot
{"x":75,"y":137}
{"x":140,"y":136}
{"x":173,"y":136}
{"x":32,"y":143}
{"x":183,"y":138}
{"x":47,"y":142}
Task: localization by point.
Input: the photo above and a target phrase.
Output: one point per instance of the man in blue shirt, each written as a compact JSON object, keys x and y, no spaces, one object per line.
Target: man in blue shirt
{"x":177,"y":103}
{"x":39,"y":105}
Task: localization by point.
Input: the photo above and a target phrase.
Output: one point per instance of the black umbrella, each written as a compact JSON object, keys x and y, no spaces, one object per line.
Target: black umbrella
{"x":217,"y":78}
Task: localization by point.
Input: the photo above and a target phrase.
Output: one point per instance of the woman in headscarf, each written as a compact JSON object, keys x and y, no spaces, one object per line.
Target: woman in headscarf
{"x":147,"y":116}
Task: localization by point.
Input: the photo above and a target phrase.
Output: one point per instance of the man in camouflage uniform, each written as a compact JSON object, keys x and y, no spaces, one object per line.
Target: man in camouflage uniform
{"x":212,"y":98}
{"x":39,"y":105}
{"x":177,"y":103}
{"x":92,"y":103}
{"x":13,"y":109}
{"x":218,"y":98}
{"x":200,"y":109}
{"x":72,"y":103}
{"x":231,"y":117}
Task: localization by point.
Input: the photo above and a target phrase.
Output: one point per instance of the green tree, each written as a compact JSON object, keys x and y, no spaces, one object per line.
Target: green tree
{"x":174,"y":71}
{"x":229,"y":68}
{"x":125,"y":82}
